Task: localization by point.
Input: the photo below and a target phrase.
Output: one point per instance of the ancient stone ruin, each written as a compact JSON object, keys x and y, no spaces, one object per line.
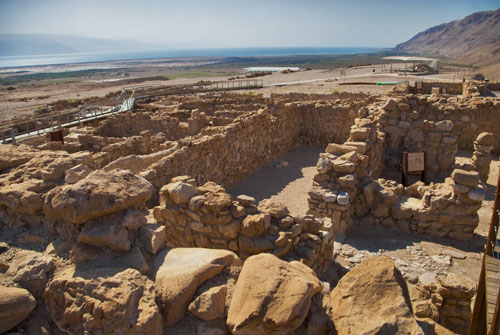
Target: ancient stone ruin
{"x":128,"y":228}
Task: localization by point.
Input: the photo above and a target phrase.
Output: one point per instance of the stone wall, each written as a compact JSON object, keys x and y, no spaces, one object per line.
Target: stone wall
{"x":493,"y":86}
{"x":469,"y":118}
{"x":408,"y":129}
{"x":447,"y":209}
{"x":208,"y":217}
{"x":445,"y":299}
{"x":342,"y":168}
{"x":423,"y":87}
{"x":347,"y":185}
{"x":228,"y":153}
{"x":325,"y":122}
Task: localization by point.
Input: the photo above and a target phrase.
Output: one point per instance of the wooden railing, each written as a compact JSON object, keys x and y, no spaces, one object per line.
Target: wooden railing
{"x":485,"y":313}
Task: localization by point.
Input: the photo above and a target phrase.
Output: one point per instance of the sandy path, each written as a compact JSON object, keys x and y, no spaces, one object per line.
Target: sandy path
{"x":288,"y":184}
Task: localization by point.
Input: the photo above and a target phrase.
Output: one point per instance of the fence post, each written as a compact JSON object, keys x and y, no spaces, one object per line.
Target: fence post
{"x":13,"y":136}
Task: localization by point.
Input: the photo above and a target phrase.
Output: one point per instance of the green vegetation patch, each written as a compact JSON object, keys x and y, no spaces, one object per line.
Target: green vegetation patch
{"x":19,"y":79}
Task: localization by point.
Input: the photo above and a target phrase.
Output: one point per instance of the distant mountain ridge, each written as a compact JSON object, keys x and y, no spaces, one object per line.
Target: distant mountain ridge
{"x":46,"y":44}
{"x":474,"y":39}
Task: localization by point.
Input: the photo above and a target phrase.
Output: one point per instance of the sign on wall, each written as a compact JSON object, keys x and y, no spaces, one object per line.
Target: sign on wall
{"x":416,"y":161}
{"x":413,"y":162}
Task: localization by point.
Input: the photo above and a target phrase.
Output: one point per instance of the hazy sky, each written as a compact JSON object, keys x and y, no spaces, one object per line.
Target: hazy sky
{"x":234,"y":23}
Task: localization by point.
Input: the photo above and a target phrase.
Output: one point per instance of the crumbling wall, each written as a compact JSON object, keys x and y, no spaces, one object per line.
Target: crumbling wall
{"x":227,"y":154}
{"x":446,"y":209}
{"x":493,"y":86}
{"x":208,"y":217}
{"x":423,"y":87}
{"x":326,"y":122}
{"x":408,"y":129}
{"x":347,"y":186}
{"x":342,"y":168}
{"x":469,"y":118}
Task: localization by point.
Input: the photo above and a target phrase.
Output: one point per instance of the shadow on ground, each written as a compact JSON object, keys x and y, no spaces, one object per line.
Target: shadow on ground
{"x":374,"y":239}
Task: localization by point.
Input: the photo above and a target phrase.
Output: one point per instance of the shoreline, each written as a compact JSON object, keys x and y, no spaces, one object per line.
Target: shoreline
{"x":78,"y":58}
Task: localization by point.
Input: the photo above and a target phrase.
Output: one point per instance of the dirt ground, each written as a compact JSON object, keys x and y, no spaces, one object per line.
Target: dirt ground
{"x":287,"y":179}
{"x":414,"y":254}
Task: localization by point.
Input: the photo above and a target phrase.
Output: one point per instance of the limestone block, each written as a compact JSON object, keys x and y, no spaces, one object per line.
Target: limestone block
{"x":181,"y":271}
{"x":181,"y":193}
{"x":152,"y":237}
{"x":254,"y":225}
{"x":275,"y":208}
{"x":343,"y":198}
{"x":210,"y":305}
{"x":100,"y":234}
{"x":445,"y":125}
{"x":99,"y":194}
{"x":467,"y":178}
{"x":373,"y":291}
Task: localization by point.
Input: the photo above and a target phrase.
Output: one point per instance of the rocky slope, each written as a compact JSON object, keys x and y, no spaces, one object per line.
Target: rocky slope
{"x":474,"y":39}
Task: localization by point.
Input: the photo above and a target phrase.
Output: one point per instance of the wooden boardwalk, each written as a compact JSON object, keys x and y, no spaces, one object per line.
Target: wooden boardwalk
{"x":38,"y":126}
{"x":492,"y":266}
{"x":202,"y":87}
{"x":485,"y":315}
{"x":10,"y":132}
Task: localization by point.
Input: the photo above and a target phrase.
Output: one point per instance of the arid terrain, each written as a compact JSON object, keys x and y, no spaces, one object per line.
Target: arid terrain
{"x":161,"y":220}
{"x":473,"y":40}
{"x":16,"y":100}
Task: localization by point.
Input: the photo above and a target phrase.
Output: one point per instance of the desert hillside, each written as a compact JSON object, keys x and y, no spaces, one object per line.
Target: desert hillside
{"x":474,"y":40}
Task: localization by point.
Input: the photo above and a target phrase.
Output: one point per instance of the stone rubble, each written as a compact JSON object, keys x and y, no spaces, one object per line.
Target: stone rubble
{"x":137,"y":234}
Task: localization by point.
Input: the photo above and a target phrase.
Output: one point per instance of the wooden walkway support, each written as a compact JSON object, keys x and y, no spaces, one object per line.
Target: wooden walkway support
{"x":486,"y":312}
{"x":38,"y":126}
{"x":218,"y":86}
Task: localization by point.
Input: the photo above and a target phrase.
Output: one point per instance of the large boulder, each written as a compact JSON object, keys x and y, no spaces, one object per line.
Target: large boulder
{"x":181,"y":271}
{"x":373,"y":299}
{"x":100,"y":193}
{"x":103,"y":301}
{"x":15,"y":306}
{"x":271,"y":296}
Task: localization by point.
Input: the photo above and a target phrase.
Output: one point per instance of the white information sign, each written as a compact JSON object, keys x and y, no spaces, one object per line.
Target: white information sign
{"x":416,"y":161}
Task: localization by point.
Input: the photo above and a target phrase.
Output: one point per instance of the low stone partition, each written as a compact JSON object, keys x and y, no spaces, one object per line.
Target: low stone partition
{"x":208,"y":217}
{"x":493,"y":86}
{"x":445,"y":209}
{"x":445,"y":299}
{"x":342,"y":168}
